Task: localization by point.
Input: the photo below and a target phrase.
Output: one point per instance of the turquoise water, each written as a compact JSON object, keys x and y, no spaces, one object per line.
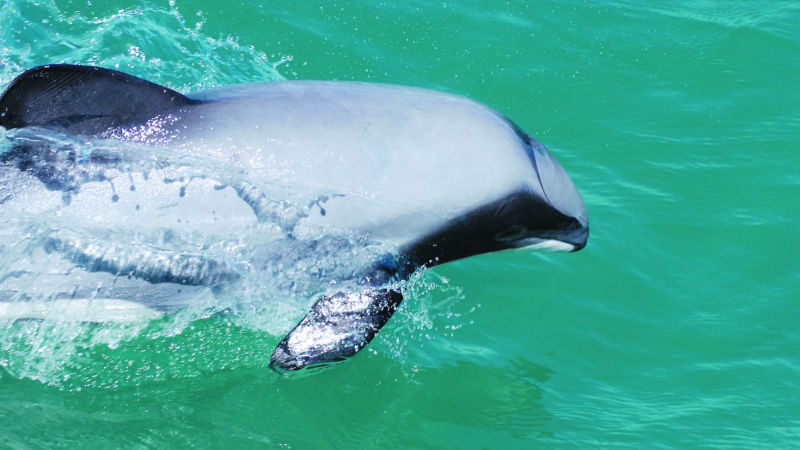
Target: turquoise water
{"x":677,"y":326}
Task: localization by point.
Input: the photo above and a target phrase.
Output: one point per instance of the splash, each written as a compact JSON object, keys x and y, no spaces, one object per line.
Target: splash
{"x":153,"y":40}
{"x":112,"y":260}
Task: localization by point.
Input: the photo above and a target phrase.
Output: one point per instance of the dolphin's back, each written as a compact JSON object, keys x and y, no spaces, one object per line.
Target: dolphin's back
{"x":84,"y":100}
{"x":389,"y":154}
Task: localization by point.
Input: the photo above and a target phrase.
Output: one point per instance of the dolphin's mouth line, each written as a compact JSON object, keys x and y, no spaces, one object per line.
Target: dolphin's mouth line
{"x":548,"y":245}
{"x":570,"y":241}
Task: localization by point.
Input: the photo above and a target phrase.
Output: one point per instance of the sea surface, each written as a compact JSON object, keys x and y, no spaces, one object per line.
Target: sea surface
{"x":678,"y":326}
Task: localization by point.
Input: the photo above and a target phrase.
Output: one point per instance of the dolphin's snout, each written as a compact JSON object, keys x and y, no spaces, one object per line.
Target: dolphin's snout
{"x":561,"y":194}
{"x":579,"y":237}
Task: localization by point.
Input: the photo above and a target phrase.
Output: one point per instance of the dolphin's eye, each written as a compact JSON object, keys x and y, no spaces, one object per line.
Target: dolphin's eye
{"x":512,"y":233}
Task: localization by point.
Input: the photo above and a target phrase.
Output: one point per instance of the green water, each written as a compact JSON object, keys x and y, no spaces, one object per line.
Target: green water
{"x":678,"y":325}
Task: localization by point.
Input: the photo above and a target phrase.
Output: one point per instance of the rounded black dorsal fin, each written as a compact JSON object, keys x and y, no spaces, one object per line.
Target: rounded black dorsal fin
{"x":83,"y":100}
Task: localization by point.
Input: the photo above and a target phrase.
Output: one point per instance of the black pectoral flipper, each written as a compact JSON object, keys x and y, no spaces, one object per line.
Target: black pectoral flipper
{"x":83,"y":100}
{"x":336,"y":328}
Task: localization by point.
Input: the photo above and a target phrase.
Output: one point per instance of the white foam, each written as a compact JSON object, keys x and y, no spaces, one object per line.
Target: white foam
{"x":78,"y":310}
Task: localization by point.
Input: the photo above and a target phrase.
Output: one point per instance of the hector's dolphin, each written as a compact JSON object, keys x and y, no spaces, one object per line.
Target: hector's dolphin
{"x":424,"y":176}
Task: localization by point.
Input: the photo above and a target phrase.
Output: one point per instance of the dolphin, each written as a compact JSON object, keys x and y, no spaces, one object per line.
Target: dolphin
{"x":418,"y":177}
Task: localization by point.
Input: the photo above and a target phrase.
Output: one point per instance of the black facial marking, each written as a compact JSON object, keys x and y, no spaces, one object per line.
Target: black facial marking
{"x":498,"y":225}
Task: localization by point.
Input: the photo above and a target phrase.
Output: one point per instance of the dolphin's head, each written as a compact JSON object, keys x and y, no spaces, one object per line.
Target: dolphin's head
{"x":542,"y":211}
{"x":548,"y":212}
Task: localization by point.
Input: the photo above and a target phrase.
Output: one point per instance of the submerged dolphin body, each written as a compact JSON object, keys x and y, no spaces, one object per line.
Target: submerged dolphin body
{"x":422,"y":176}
